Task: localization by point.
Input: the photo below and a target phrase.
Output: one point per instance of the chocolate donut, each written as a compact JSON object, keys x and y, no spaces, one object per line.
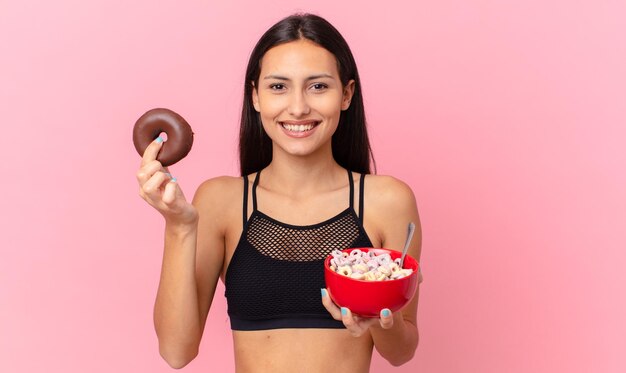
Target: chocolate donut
{"x":179,"y":135}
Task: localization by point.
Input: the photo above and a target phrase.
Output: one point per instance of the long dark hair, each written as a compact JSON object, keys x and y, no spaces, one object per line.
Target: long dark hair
{"x":350,"y":143}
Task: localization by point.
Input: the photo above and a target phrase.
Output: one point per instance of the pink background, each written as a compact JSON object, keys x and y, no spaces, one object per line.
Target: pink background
{"x":506,"y":119}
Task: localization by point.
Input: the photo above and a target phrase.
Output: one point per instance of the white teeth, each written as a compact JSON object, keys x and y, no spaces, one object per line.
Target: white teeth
{"x":297,"y":127}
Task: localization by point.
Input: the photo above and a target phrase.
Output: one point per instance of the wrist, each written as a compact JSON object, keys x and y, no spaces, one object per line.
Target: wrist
{"x":178,"y":228}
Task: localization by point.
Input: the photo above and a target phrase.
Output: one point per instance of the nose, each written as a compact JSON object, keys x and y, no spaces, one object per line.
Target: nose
{"x":298,"y":105}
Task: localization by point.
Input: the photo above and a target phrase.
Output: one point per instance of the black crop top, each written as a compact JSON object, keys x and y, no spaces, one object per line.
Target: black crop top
{"x":276,"y":272}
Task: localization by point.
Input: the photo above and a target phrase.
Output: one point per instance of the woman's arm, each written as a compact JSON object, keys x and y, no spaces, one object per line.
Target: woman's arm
{"x":192,"y":263}
{"x":176,"y":312}
{"x":390,"y":206}
{"x":393,"y":205}
{"x":181,"y":305}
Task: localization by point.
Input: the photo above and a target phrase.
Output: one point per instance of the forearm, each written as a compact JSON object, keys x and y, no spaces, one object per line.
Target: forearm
{"x":176,"y":313}
{"x":398,"y":344}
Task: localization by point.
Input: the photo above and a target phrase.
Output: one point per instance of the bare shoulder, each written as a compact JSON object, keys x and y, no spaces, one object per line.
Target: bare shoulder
{"x":389,"y":194}
{"x":389,"y":206}
{"x":218,"y":188}
{"x":218,"y":199}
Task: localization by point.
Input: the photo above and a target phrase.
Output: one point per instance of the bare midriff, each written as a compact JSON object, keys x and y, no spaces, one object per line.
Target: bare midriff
{"x":301,"y":350}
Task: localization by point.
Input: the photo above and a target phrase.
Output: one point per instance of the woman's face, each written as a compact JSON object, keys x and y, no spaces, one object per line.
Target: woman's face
{"x":300,"y":97}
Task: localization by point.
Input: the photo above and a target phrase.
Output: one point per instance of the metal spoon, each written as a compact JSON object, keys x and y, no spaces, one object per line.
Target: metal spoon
{"x":409,"y":237}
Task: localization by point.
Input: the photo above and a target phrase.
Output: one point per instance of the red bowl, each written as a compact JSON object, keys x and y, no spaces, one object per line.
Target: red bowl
{"x":368,"y":298}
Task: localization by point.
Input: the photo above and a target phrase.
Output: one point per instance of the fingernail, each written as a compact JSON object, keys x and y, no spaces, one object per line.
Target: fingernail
{"x":169,"y":175}
{"x":344,"y":311}
{"x":159,"y":139}
{"x":324,"y":293}
{"x":386,"y":312}
{"x":173,"y":180}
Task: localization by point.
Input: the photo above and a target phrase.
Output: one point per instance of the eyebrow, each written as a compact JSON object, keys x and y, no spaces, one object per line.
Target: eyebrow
{"x":312,"y":77}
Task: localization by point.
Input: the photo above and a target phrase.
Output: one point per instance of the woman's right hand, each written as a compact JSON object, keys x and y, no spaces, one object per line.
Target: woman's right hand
{"x":161,"y":191}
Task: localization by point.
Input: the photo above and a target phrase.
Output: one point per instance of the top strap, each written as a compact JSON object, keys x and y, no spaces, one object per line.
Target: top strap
{"x":351,"y":182}
{"x":245,"y":200}
{"x":254,"y":185}
{"x":361,"y":194}
{"x":361,"y":198}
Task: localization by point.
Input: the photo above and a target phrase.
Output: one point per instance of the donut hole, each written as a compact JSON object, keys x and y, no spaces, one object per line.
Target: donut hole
{"x":163,"y":135}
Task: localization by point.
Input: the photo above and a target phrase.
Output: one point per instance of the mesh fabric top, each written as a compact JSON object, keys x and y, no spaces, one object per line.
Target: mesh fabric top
{"x":276,"y":273}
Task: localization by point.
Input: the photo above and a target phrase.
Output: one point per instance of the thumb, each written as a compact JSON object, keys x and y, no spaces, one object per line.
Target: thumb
{"x":386,"y":319}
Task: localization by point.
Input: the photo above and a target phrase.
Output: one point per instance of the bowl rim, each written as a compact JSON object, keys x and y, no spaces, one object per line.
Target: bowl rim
{"x":405,"y":278}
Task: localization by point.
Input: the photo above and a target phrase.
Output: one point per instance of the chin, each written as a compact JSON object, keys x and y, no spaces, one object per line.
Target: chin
{"x":303,"y":148}
{"x":299,"y":152}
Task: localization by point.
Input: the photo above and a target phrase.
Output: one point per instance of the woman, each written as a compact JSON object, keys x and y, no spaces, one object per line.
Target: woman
{"x":304,"y":154}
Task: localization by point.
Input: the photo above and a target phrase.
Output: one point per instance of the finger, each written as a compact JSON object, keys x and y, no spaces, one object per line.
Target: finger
{"x":171,"y":191}
{"x":350,"y":322}
{"x":147,"y":171}
{"x":330,"y":306}
{"x":152,"y":187}
{"x":152,"y":151}
{"x":386,"y":319}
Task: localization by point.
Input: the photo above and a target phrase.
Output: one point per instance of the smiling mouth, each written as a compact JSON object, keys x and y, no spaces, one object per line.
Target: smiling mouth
{"x":299,"y":128}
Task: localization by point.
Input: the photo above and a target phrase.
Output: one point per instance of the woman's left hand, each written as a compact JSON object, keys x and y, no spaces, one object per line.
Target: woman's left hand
{"x":355,"y":324}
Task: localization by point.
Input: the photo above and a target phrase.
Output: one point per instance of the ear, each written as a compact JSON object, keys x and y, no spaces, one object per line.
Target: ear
{"x":255,"y":98}
{"x":348,"y":92}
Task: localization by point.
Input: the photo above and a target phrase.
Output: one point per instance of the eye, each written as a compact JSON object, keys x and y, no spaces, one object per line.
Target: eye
{"x":277,"y":87}
{"x":319,"y":86}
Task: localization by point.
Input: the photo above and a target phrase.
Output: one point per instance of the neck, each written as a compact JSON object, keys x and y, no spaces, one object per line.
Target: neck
{"x":295,"y":175}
